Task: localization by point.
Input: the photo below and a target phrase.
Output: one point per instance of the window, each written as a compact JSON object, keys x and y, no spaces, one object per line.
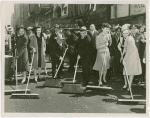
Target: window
{"x":122,"y":10}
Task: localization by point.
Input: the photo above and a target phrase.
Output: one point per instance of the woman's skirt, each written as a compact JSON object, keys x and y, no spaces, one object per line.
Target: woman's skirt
{"x":102,"y":61}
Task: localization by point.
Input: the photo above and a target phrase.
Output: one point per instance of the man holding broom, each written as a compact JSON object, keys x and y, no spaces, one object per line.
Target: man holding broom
{"x":58,"y":50}
{"x":84,"y":49}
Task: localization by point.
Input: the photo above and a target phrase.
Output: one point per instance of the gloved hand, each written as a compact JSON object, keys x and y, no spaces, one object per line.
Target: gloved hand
{"x":60,"y":58}
{"x":78,"y":57}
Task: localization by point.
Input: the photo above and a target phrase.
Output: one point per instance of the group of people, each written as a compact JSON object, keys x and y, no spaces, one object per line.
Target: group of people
{"x":113,"y":50}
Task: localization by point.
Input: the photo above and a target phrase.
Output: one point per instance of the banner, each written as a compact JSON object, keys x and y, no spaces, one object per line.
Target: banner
{"x":137,"y":9}
{"x":122,"y":10}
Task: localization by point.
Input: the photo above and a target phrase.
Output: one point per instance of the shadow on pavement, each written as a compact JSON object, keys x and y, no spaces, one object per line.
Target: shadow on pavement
{"x":138,"y":110}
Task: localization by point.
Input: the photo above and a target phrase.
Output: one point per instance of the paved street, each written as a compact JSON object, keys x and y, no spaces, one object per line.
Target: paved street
{"x":93,"y":101}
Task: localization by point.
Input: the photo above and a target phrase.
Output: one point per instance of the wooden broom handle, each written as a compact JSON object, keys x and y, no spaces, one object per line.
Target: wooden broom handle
{"x":75,"y":71}
{"x":29,"y":73}
{"x":128,"y":80}
{"x":61,"y":62}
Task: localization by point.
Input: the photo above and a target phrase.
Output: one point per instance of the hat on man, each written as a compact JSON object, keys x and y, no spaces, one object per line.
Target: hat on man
{"x":135,"y":26}
{"x":10,"y":29}
{"x":117,"y":27}
{"x":125,"y":27}
{"x":29,"y":28}
{"x":21,"y":27}
{"x":83,"y":28}
{"x":56,"y":26}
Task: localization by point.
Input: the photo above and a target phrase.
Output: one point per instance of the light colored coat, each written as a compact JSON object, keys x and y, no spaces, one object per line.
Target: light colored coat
{"x":131,"y":58}
{"x":103,"y":55}
{"x":33,"y":44}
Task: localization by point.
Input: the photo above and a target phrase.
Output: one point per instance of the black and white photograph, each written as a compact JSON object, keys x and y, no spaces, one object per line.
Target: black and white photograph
{"x":74,"y":57}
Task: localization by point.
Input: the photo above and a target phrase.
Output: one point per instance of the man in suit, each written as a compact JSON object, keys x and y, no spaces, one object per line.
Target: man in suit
{"x":58,"y":50}
{"x":72,"y":42}
{"x":137,"y":37}
{"x":93,"y":33}
{"x":52,"y":39}
{"x":84,"y":49}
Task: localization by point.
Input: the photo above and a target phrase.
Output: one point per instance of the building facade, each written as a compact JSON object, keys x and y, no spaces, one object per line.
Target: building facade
{"x":68,"y":15}
{"x":128,"y":13}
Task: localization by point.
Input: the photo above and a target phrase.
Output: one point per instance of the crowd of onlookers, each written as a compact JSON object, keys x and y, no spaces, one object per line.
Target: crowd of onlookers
{"x":108,"y":52}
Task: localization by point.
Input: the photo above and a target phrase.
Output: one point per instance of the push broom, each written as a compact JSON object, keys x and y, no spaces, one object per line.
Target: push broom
{"x":101,"y":87}
{"x":9,"y":92}
{"x":130,"y":100}
{"x":55,"y":82}
{"x":72,"y":86}
{"x":26,"y":96}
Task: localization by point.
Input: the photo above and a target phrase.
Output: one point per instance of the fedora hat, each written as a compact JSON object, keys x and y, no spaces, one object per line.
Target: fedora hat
{"x":21,"y":27}
{"x":56,"y":26}
{"x":83,"y":28}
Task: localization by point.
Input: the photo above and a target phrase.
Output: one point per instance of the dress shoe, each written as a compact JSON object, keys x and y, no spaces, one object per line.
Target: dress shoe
{"x":125,"y":86}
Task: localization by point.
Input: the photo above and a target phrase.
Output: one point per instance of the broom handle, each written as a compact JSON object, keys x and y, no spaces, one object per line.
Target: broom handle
{"x":75,"y":70}
{"x":29,"y":73}
{"x":61,"y":62}
{"x":127,"y":79}
{"x":16,"y":71}
{"x":102,"y":66}
{"x":128,"y":82}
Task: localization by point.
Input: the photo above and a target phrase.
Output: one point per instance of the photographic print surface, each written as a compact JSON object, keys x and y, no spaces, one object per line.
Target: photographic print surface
{"x":72,"y":57}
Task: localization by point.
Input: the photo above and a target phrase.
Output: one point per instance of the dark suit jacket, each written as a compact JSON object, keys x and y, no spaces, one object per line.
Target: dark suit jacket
{"x":52,"y":41}
{"x":58,"y":51}
{"x":93,"y":37}
{"x":72,"y":42}
{"x":138,"y":38}
{"x":84,"y":46}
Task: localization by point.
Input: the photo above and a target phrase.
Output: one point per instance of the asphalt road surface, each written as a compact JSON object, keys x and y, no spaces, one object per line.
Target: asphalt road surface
{"x":51,"y":100}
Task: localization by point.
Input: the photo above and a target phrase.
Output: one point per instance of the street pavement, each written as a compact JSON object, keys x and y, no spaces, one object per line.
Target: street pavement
{"x":51,"y":100}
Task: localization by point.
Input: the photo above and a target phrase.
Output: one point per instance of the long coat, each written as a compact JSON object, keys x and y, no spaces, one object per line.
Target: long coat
{"x":33,"y":44}
{"x":131,"y":58}
{"x":103,"y":55}
{"x":22,"y":53}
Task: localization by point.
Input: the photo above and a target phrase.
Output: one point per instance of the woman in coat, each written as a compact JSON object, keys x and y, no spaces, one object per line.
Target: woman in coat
{"x":130,"y":57}
{"x":103,"y":55}
{"x":22,"y":53}
{"x":39,"y":47}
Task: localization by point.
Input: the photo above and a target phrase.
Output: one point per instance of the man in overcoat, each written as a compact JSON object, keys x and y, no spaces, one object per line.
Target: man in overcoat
{"x":53,"y":39}
{"x":84,"y":49}
{"x":58,"y":50}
